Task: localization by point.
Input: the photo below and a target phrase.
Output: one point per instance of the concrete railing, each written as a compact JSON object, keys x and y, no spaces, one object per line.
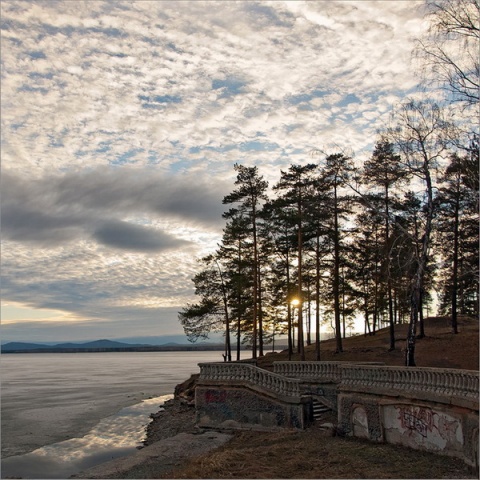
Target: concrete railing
{"x":245,"y":374}
{"x":322,"y":371}
{"x":287,"y":378}
{"x":448,"y":383}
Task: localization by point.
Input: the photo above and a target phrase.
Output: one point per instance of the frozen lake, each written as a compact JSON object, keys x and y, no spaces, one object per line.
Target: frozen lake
{"x":48,"y":399}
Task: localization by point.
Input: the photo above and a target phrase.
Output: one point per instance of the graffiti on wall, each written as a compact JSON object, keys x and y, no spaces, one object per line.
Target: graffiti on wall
{"x":428,"y":423}
{"x":418,"y":419}
{"x":215,"y":396}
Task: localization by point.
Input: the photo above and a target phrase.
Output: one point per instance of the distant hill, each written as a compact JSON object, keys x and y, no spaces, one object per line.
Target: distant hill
{"x":22,"y":346}
{"x":96,"y":344}
{"x":102,"y":346}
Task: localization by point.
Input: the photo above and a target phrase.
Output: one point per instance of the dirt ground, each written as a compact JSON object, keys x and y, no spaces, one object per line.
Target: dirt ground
{"x":316,"y":452}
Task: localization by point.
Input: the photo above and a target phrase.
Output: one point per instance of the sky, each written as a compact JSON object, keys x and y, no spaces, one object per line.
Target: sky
{"x":121,"y":122}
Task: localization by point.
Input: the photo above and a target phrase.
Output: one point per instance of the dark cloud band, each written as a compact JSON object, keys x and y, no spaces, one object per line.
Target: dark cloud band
{"x":52,"y":210}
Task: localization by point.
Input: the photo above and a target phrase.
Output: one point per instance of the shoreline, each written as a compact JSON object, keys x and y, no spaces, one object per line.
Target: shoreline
{"x":75,"y":421}
{"x":43,"y":404}
{"x":115,"y":436}
{"x":171,"y":438}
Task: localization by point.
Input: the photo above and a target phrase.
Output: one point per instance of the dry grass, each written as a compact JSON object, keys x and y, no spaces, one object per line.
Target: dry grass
{"x":312,"y":454}
{"x":439,"y":348}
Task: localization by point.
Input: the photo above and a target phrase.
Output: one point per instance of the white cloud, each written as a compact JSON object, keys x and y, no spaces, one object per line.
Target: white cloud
{"x":120,"y":95}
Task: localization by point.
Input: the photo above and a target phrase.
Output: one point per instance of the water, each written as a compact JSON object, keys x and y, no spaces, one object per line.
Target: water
{"x":62,"y":413}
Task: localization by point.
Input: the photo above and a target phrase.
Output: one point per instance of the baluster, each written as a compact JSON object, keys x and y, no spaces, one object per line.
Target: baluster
{"x":353,"y":372}
{"x":277,"y":385}
{"x":441,"y":383}
{"x":421,"y":379}
{"x":427,"y":380}
{"x":396,"y":378}
{"x":470,"y":383}
{"x":453,"y":383}
{"x":330,"y":371}
{"x":401,"y":379}
{"x":371,"y":378}
{"x":461,"y":384}
{"x":350,"y":373}
{"x":457,"y":390}
{"x":474,"y":383}
{"x":447,"y":377}
{"x":406,"y":377}
{"x":434,"y":380}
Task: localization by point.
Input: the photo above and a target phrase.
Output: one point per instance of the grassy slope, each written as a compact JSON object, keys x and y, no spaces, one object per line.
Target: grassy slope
{"x":439,"y":348}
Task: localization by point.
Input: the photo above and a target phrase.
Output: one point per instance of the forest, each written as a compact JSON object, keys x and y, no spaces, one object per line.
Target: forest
{"x":337,"y":241}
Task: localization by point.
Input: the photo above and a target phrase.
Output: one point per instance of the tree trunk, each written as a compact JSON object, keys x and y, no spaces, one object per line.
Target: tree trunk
{"x":317,"y":299}
{"x":417,"y":285}
{"x":239,"y":337}
{"x":455,"y":268}
{"x":255,"y":286}
{"x":301,"y":346}
{"x":228,"y":345}
{"x":336,"y":277}
{"x":260,"y":314}
{"x":289,"y":311}
{"x":421,"y":323}
{"x":389,"y":279}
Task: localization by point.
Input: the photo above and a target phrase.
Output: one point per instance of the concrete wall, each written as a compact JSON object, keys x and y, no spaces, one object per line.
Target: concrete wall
{"x":225,"y":407}
{"x":417,"y":424}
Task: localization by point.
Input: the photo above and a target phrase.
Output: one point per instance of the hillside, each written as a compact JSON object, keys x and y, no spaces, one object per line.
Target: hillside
{"x":439,"y":348}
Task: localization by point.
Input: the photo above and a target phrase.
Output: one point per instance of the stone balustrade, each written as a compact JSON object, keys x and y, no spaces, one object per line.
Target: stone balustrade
{"x":243,"y":373}
{"x":320,"y":371}
{"x":430,"y":409}
{"x":287,"y":377}
{"x":447,"y":383}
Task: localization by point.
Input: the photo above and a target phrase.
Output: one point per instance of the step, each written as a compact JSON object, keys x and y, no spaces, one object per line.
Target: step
{"x":319,"y":409}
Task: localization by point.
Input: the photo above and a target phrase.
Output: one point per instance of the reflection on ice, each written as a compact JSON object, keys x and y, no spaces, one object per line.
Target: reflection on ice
{"x":113,"y":437}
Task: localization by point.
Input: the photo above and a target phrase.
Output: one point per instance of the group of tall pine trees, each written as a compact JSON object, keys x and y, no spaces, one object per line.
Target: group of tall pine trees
{"x":344,"y":243}
{"x":334,"y":241}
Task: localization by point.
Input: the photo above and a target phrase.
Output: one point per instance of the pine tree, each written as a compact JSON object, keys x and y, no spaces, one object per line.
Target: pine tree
{"x":211,"y":313}
{"x":297,"y":184}
{"x":384,"y":171}
{"x":249,"y":195}
{"x":457,"y":212}
{"x":335,"y":175}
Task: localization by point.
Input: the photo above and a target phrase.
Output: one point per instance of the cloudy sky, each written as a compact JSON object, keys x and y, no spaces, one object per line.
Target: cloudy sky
{"x":121,"y":123}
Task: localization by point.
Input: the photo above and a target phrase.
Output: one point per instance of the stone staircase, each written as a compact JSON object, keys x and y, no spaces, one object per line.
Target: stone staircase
{"x":320,"y":410}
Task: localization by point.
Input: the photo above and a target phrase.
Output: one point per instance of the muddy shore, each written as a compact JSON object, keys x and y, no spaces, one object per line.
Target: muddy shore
{"x":171,"y":439}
